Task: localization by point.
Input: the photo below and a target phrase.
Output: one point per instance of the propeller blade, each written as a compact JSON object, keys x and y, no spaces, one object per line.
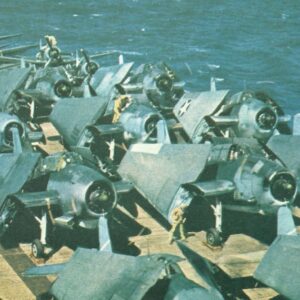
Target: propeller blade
{"x":48,"y":42}
{"x":86,"y":57}
{"x":103,"y":235}
{"x":16,"y":140}
{"x":285,"y":222}
{"x":162,"y":132}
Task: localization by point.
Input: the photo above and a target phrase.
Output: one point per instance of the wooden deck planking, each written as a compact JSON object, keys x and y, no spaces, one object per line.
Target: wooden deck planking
{"x":12,"y":287}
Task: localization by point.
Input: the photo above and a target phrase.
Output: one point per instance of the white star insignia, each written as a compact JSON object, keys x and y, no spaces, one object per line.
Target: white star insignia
{"x":184,"y":107}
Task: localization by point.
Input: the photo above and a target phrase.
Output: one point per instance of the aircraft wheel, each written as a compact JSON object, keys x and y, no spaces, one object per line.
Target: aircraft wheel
{"x":37,"y":249}
{"x":214,"y":237}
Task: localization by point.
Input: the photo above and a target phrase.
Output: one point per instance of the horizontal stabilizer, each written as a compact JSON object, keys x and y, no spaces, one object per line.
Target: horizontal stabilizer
{"x":224,"y":120}
{"x":213,"y":188}
{"x":37,"y":199}
{"x":106,"y":129}
{"x":132,"y":88}
{"x":66,"y":221}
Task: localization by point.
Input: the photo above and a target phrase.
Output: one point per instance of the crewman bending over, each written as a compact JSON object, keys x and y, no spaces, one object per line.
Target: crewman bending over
{"x":121,"y":103}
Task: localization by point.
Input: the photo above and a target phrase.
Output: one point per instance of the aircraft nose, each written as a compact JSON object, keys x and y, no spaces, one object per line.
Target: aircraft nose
{"x":266,"y":119}
{"x":283,"y":186}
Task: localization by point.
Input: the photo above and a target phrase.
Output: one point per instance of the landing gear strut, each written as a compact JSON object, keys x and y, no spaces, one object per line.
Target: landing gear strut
{"x":38,"y":245}
{"x":37,"y":249}
{"x":214,"y":235}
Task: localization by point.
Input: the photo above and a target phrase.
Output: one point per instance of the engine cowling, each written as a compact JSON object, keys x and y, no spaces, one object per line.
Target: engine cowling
{"x":260,"y":181}
{"x":84,"y":192}
{"x":7,"y":122}
{"x":89,"y":68}
{"x":54,"y":83}
{"x":139,"y":123}
{"x":53,"y":53}
{"x":255,"y":119}
{"x":62,"y":88}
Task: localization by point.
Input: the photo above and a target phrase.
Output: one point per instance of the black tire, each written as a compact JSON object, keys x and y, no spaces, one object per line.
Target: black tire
{"x":37,"y":249}
{"x":214,"y":237}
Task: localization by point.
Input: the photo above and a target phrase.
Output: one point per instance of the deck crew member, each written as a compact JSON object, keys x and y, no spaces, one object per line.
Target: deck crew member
{"x":178,"y":219}
{"x":121,"y":103}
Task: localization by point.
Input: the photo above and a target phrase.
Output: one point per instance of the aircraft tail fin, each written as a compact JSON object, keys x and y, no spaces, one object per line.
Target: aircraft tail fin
{"x":121,"y":59}
{"x":296,"y":124}
{"x":213,"y":83}
{"x":77,"y":59}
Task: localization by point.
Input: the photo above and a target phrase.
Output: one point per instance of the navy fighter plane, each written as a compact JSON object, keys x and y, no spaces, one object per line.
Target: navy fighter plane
{"x":94,"y":135}
{"x":225,"y":175}
{"x":58,"y":191}
{"x":63,"y":194}
{"x":217,"y":113}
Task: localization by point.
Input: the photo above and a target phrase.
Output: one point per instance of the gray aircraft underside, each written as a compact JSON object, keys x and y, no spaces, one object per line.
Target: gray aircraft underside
{"x":92,"y":274}
{"x":279,"y":268}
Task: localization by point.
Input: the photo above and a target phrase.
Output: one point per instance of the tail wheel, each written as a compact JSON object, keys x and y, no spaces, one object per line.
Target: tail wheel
{"x":214,"y":237}
{"x":37,"y":249}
